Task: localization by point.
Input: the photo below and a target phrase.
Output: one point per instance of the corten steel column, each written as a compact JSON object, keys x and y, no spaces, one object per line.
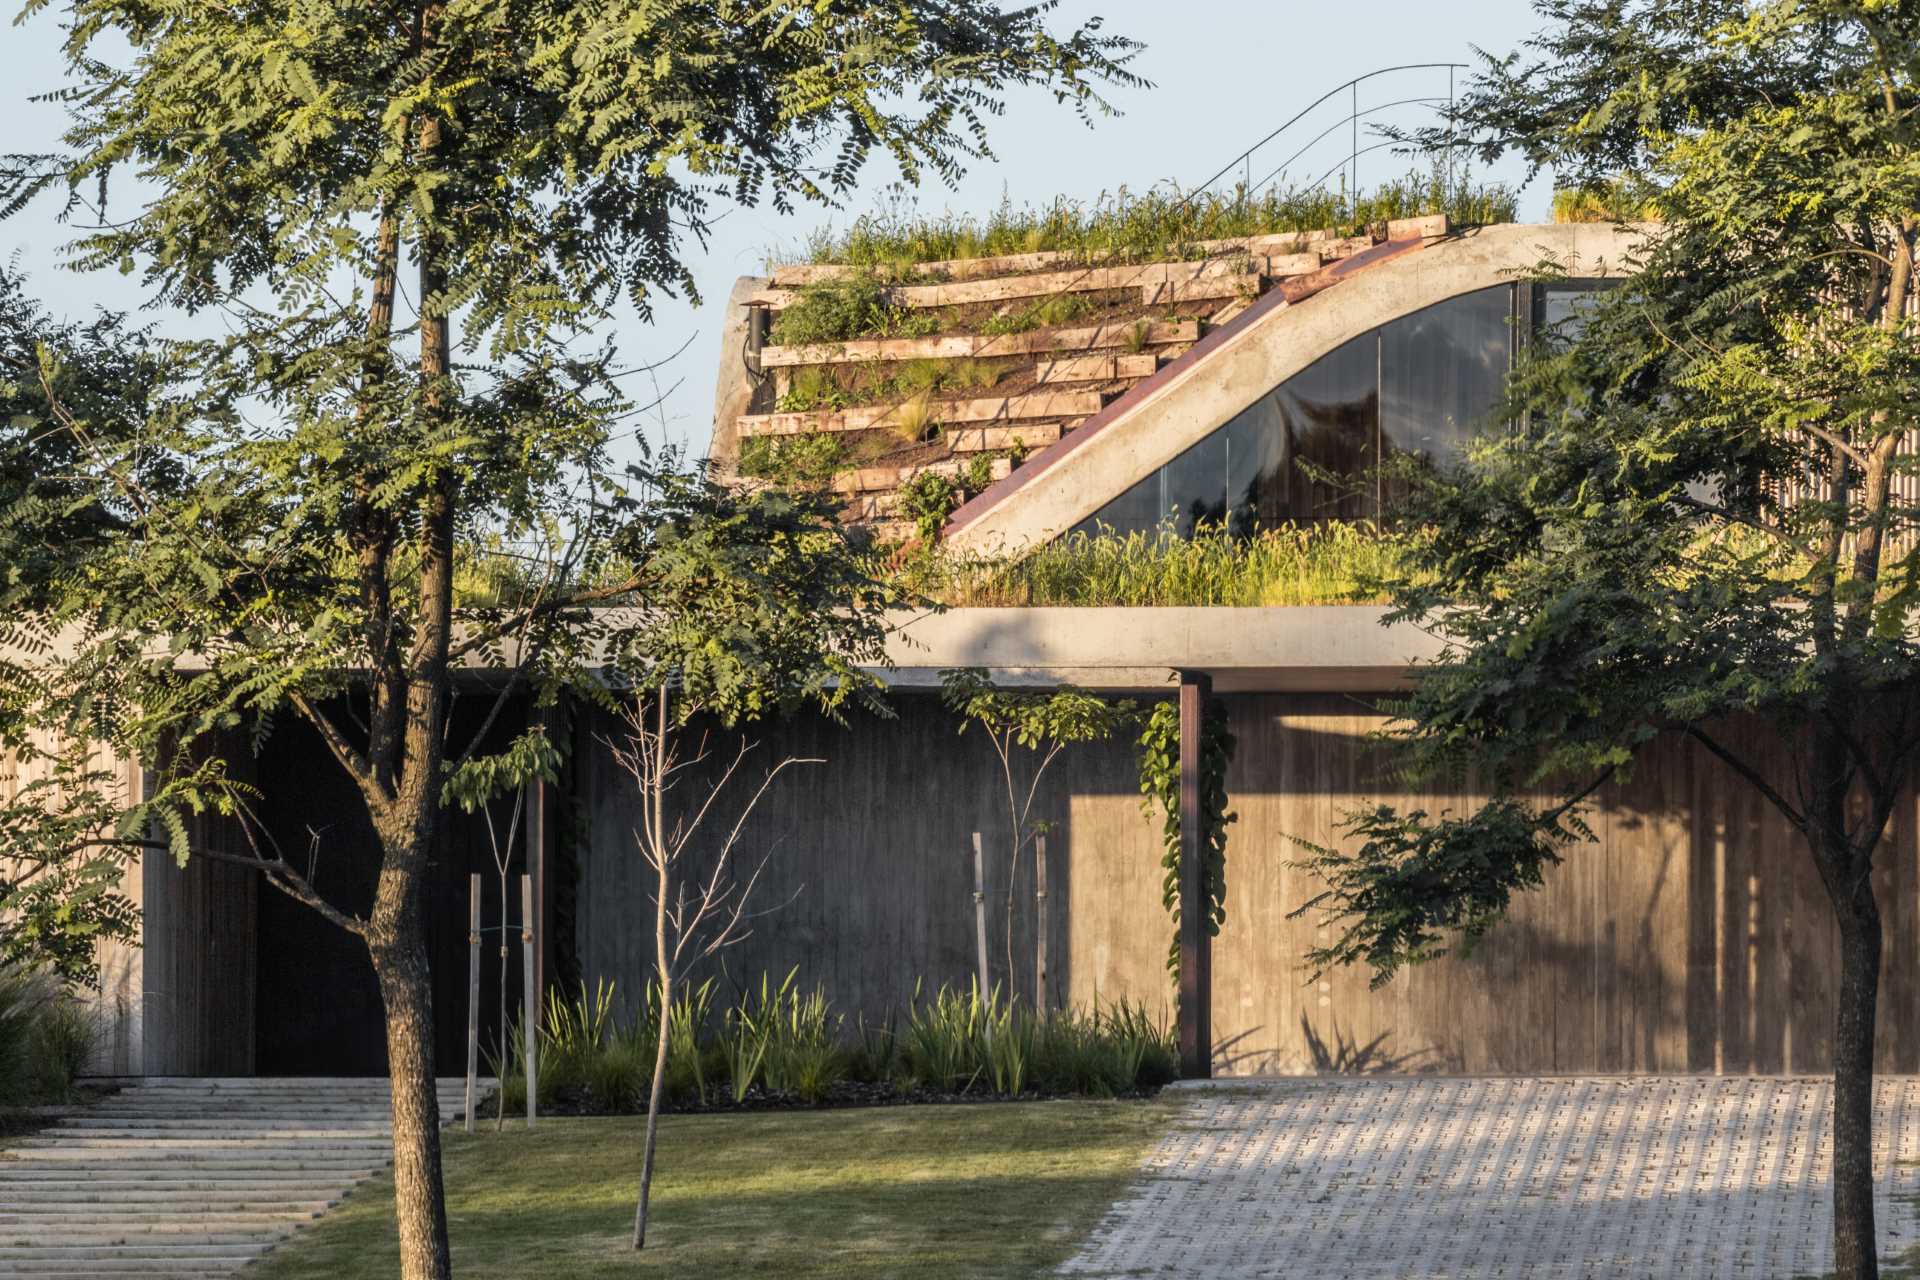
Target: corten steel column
{"x":1196,"y":947}
{"x":534,"y":841}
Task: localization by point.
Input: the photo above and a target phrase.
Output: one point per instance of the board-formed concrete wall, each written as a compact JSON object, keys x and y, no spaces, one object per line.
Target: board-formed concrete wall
{"x":1693,"y":936}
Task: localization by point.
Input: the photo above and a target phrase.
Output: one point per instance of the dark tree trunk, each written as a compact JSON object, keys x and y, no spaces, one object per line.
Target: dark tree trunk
{"x":1854,"y":1253}
{"x":406,"y":989}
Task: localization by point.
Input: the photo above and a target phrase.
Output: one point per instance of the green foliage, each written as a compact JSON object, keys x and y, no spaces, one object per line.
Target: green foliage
{"x":793,"y":462}
{"x":1329,"y":563}
{"x":792,"y":1043}
{"x":842,"y":310}
{"x":958,"y":1041}
{"x":1039,"y":722}
{"x":47,"y":1038}
{"x":1159,"y":747}
{"x":927,"y":500}
{"x":292,"y":499}
{"x":1430,"y":885}
{"x":1707,"y":526}
{"x":1624,"y":199}
{"x":1044,"y":313}
{"x":814,"y":387}
{"x":1130,"y":226}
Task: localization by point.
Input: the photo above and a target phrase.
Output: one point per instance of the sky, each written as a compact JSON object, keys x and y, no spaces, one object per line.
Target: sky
{"x":1225,"y":73}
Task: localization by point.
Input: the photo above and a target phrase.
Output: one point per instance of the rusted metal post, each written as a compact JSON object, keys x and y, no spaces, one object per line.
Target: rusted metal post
{"x":1040,"y":923}
{"x":473,"y":993}
{"x":529,"y":1015}
{"x":1196,"y":948}
{"x":980,"y":909}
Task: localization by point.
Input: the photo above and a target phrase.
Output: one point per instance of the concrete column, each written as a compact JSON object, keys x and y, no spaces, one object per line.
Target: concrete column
{"x":1196,"y":945}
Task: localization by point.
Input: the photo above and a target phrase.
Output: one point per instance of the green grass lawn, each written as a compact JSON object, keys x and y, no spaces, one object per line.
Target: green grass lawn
{"x":927,"y":1192}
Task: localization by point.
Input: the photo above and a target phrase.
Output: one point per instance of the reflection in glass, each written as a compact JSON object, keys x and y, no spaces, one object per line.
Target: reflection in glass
{"x":1441,"y":370}
{"x":1306,"y":451}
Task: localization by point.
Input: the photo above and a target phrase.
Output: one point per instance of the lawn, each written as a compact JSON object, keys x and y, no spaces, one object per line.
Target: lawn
{"x":929,"y":1191}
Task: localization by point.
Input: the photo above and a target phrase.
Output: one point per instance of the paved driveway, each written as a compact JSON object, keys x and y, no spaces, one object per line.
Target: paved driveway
{"x":1418,"y":1177}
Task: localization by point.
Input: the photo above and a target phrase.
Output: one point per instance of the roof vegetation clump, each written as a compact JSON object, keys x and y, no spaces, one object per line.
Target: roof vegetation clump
{"x":1129,"y":226}
{"x":1295,"y":564}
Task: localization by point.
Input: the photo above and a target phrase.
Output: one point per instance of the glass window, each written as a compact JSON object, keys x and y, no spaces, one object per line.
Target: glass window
{"x":1306,"y":451}
{"x":1441,"y":371}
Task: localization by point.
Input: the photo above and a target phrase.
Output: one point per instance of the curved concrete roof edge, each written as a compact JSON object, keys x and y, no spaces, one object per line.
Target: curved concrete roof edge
{"x":1278,"y":344}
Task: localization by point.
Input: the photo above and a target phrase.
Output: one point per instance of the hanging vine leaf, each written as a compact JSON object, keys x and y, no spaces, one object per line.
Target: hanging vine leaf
{"x":1160,"y":784}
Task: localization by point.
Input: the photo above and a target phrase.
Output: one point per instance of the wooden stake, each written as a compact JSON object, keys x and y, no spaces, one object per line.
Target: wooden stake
{"x":530,"y":999}
{"x":473,"y":993}
{"x":1040,"y":923}
{"x":980,"y":909}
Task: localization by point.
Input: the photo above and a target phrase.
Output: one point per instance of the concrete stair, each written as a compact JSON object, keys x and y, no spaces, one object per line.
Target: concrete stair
{"x":190,"y":1179}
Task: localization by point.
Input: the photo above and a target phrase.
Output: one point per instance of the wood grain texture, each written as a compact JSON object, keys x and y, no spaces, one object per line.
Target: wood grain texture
{"x":1690,"y":936}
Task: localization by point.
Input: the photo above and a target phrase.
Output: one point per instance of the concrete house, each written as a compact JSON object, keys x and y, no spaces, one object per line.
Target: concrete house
{"x":1692,"y":936}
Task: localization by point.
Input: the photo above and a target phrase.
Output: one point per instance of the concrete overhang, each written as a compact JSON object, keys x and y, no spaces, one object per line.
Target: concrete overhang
{"x":1310,"y":648}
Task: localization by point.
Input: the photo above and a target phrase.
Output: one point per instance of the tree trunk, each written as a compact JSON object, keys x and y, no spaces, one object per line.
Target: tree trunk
{"x":656,"y":783}
{"x":1855,"y":1256}
{"x":406,"y":989}
{"x":653,"y":1115}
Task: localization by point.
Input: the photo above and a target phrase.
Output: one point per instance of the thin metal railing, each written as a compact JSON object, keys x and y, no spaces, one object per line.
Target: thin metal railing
{"x":1244,"y":161}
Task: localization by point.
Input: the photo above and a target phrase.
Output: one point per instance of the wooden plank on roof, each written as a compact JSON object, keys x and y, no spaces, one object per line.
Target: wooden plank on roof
{"x":1089,"y":279}
{"x":948,"y":268}
{"x":1048,"y":404}
{"x":960,"y":346}
{"x":1032,"y":435}
{"x":1096,"y":368}
{"x":1291,"y":264}
{"x":1246,"y":285}
{"x":1434,"y":224}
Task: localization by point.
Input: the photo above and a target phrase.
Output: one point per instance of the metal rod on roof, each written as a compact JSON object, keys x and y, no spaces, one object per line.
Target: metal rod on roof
{"x":1234,"y":163}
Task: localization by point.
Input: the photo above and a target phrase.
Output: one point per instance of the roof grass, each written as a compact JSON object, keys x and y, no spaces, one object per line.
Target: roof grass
{"x":1130,"y":226}
{"x":1326,"y":563}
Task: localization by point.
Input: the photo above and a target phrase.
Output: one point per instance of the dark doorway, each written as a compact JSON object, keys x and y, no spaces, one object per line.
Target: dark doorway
{"x":317,"y":1005}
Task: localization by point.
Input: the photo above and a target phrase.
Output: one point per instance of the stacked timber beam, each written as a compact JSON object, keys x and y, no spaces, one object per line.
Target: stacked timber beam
{"x":1039,"y":383}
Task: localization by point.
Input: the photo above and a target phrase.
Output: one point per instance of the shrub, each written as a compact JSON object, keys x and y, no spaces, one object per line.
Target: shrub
{"x":793,"y":462}
{"x":842,"y":310}
{"x":927,"y":500}
{"x":803,"y":1051}
{"x":64,"y":1045}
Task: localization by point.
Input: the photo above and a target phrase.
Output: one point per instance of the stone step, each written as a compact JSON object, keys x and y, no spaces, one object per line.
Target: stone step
{"x":191,"y":1179}
{"x":137,"y":1217}
{"x":155,"y":1249}
{"x":62,"y":1177}
{"x":182,"y":1269}
{"x":305,"y":1201}
{"x":114,"y":1238}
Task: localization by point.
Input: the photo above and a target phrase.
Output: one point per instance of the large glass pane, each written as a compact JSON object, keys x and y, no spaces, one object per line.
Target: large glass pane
{"x":1196,"y":485}
{"x":1441,"y":371}
{"x":1321,"y":440}
{"x":1560,"y":310}
{"x":1135,"y":511}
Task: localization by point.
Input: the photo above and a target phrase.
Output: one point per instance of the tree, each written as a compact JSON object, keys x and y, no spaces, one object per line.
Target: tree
{"x":1042,"y":725}
{"x":529,"y":164}
{"x":68,"y":832}
{"x":1704,"y":523}
{"x":690,"y":922}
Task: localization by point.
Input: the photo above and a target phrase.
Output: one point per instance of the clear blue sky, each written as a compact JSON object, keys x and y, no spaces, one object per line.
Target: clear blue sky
{"x":1225,"y":73}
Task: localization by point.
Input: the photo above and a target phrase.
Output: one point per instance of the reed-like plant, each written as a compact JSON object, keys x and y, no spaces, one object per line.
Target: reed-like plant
{"x":1331,"y":563}
{"x":1142,"y":226}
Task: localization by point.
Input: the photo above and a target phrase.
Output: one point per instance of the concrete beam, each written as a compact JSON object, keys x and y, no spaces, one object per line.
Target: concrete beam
{"x":1306,"y":648}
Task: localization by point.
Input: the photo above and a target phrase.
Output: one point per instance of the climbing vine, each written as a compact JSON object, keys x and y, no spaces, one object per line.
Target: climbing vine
{"x":1160,"y":784}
